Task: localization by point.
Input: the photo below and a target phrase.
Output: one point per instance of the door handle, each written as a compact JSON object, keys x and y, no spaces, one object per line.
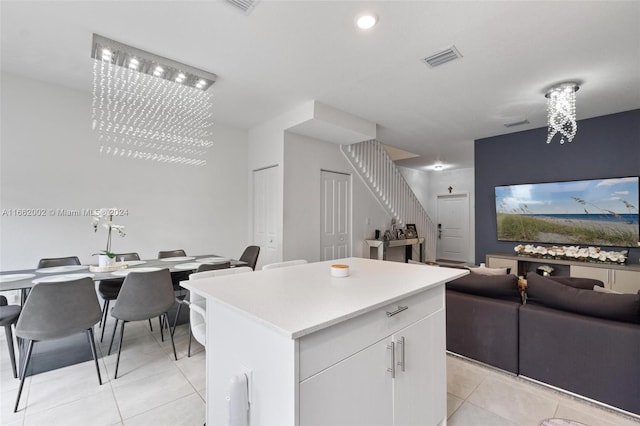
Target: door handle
{"x":392,"y":370}
{"x":401,"y":363}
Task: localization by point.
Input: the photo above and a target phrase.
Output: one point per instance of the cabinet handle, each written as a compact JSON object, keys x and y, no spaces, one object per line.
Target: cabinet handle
{"x":401,"y":362}
{"x":397,"y":311}
{"x":392,"y":370}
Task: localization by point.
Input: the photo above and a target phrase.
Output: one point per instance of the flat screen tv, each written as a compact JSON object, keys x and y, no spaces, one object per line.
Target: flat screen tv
{"x":596,"y":212}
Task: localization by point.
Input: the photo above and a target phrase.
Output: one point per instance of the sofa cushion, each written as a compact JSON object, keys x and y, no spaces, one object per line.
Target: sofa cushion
{"x":553,"y":294}
{"x":481,"y":270}
{"x":497,"y":286}
{"x":605,"y":290}
{"x":578,"y":282}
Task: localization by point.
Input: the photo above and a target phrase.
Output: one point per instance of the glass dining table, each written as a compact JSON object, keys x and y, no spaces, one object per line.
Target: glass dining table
{"x":50,"y":355}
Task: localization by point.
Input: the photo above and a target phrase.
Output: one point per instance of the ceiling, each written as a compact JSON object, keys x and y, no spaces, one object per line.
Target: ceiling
{"x":286,"y":53}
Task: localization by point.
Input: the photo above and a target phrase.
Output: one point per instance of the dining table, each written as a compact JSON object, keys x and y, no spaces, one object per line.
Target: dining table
{"x":24,"y":279}
{"x":50,"y":355}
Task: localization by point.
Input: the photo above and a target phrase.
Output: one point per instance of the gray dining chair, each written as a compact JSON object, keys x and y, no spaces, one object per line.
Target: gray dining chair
{"x":171,"y":253}
{"x":109,"y":289}
{"x":8,"y":317}
{"x":176,"y":277}
{"x":144,"y":295}
{"x":58,"y":261}
{"x":250,"y":255}
{"x":55,"y":310}
{"x":213,"y":266}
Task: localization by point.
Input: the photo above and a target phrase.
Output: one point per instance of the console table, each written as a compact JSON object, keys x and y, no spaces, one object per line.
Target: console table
{"x":408,"y":244}
{"x":621,"y":278}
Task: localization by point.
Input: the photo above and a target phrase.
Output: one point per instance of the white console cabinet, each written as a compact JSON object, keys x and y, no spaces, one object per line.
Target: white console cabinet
{"x":623,"y":281}
{"x":368,"y":349}
{"x":620,"y":278}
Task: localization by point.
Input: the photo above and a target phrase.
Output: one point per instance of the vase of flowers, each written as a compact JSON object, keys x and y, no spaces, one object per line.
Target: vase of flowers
{"x":105,"y":217}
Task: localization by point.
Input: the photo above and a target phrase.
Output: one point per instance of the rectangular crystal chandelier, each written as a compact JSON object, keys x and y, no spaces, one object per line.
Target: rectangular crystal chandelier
{"x":149,"y":107}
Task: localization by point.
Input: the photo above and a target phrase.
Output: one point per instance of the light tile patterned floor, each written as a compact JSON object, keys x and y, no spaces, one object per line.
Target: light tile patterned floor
{"x":484,"y":396}
{"x":154,"y":389}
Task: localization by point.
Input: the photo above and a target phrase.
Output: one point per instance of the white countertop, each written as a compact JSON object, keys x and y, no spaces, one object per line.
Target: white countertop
{"x":299,"y":300}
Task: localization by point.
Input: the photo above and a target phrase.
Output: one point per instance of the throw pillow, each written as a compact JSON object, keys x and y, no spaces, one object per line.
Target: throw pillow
{"x":604,"y":290}
{"x":481,"y":270}
{"x":496,"y":286}
{"x":548,"y":292}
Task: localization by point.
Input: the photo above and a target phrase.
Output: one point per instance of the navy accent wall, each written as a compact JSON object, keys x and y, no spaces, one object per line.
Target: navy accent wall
{"x":607,"y":146}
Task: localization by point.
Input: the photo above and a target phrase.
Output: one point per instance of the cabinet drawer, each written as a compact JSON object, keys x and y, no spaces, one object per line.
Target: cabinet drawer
{"x":326,"y":347}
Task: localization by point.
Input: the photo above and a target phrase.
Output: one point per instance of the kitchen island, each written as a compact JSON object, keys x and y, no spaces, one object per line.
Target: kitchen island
{"x":316,"y":349}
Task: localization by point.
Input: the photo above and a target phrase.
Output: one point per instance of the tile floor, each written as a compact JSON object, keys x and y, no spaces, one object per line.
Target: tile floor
{"x":154,"y":389}
{"x":481,"y":396}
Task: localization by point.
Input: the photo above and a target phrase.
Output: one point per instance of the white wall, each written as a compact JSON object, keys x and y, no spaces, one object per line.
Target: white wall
{"x":49,"y":160}
{"x":304,"y":158}
{"x":418,"y":181}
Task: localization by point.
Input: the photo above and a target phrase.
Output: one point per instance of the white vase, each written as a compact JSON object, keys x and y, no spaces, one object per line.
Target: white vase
{"x":104,"y":260}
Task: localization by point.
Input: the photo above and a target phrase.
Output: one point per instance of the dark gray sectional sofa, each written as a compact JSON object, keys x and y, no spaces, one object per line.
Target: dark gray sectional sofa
{"x":566,"y":335}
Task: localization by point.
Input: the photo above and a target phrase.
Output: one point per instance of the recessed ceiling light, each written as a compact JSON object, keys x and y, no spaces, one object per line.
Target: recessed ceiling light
{"x":366,"y":20}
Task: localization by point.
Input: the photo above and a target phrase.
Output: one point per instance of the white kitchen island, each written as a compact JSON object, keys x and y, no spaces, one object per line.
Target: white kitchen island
{"x":367,"y":349}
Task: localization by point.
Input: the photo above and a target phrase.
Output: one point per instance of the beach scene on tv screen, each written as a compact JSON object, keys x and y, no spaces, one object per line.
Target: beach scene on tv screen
{"x":598,"y":212}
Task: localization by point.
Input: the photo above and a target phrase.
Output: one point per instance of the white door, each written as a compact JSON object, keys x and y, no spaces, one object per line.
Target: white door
{"x":355,"y":391}
{"x":453,"y":227}
{"x":418,"y":397}
{"x":335,"y":215}
{"x":265,"y":212}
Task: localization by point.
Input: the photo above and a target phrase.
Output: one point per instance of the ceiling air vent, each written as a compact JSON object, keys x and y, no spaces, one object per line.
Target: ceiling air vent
{"x":443,"y":57}
{"x":246,"y":6}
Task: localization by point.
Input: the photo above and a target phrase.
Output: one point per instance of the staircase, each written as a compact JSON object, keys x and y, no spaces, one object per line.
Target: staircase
{"x":386,"y":182}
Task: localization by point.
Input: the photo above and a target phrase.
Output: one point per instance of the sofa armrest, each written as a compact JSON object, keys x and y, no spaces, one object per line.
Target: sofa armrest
{"x":593,"y":357}
{"x":483,"y":329}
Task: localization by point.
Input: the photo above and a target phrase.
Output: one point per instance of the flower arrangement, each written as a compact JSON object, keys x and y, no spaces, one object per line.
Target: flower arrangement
{"x":105,"y":217}
{"x":575,"y":253}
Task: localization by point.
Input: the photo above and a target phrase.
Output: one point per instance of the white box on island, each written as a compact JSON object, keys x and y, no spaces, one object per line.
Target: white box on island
{"x":364,"y":349}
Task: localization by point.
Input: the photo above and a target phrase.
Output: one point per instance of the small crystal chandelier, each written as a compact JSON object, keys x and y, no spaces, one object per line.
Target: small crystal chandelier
{"x":561,"y":111}
{"x":149,"y":107}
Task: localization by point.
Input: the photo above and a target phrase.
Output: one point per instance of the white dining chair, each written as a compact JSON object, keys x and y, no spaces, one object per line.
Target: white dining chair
{"x":284,"y":264}
{"x":198,"y":304}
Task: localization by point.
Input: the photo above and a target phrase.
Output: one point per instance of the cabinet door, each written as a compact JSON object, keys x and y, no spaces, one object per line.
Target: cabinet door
{"x":625,"y":281}
{"x":498,"y":262}
{"x":355,"y":391}
{"x":601,"y":274}
{"x":420,"y":391}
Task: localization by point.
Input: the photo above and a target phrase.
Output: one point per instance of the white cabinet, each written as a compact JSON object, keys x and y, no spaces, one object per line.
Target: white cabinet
{"x":357,"y":390}
{"x":620,"y":278}
{"x":625,"y":281}
{"x":396,"y":381}
{"x":622,"y":281}
{"x":418,"y":399}
{"x":499,"y":262}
